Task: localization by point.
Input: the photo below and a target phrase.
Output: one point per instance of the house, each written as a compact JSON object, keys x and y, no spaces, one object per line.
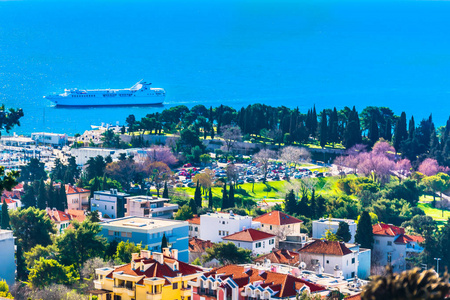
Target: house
{"x":194,"y":227}
{"x":259,"y":242}
{"x":215,"y":226}
{"x":110,"y":203}
{"x":330,"y":257}
{"x":320,"y":227}
{"x":149,"y":206}
{"x":294,"y":242}
{"x":392,"y":246}
{"x":77,"y":198}
{"x":151,"y":276}
{"x":281,"y":256}
{"x":197,"y":248}
{"x":149,"y":232}
{"x":234,"y":282}
{"x":11,"y":203}
{"x":279,"y":224}
{"x":7,"y":253}
{"x":47,"y":138}
{"x":60,"y":218}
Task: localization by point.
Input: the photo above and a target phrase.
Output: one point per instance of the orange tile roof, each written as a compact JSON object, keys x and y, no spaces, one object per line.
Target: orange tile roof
{"x":288,"y":285}
{"x":198,"y":245}
{"x":194,"y":220}
{"x":387,"y":229}
{"x":404,"y":239}
{"x":326,"y":247}
{"x":78,"y":215}
{"x":71,"y":189}
{"x":58,"y":216}
{"x":7,"y":200}
{"x":354,"y":297}
{"x":276,"y":218}
{"x":249,"y":235}
{"x":281,"y":256}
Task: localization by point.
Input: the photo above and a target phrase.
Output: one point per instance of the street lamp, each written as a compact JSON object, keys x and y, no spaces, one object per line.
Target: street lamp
{"x":437,"y":263}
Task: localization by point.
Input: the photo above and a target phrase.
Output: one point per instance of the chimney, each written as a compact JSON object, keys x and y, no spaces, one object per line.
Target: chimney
{"x":166,"y":252}
{"x":175,"y":254}
{"x":158,"y":257}
{"x":134,"y":256}
{"x":146,"y":254}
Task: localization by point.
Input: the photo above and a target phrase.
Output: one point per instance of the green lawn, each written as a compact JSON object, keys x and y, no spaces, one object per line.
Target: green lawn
{"x":435,"y":213}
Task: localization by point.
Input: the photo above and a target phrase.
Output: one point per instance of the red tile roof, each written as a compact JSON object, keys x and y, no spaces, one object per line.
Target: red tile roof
{"x":58,"y":216}
{"x":198,"y":245}
{"x":249,"y":235}
{"x":277,"y":218}
{"x":288,"y":285}
{"x":281,"y":256}
{"x":7,"y":200}
{"x":404,"y":239}
{"x":71,"y":189}
{"x":387,"y":229}
{"x":78,"y":215}
{"x":354,"y":297}
{"x":326,"y":247}
{"x":194,"y":220}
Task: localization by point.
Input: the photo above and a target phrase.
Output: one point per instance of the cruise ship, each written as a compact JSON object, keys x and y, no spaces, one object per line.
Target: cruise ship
{"x":138,"y":94}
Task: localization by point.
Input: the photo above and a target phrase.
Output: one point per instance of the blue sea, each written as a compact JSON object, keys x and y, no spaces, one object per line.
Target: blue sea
{"x":234,"y":52}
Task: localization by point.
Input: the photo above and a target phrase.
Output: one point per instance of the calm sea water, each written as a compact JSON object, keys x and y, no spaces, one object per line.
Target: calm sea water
{"x":234,"y":52}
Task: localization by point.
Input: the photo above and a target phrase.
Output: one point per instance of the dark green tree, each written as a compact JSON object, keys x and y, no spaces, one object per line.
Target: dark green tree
{"x":225,"y":204}
{"x":34,"y":170}
{"x":352,"y":133}
{"x":163,"y":242}
{"x":198,"y":195}
{"x":20,"y":262}
{"x":323,"y":129}
{"x":210,"y":199}
{"x":364,"y":232}
{"x":343,"y":232}
{"x":61,"y":203}
{"x":165,"y":191}
{"x":290,"y":203}
{"x":401,"y":134}
{"x":228,"y":253}
{"x":42,"y":195}
{"x":193,"y":206}
{"x":29,"y":197}
{"x":373,"y":130}
{"x":231,"y":200}
{"x":5,"y":216}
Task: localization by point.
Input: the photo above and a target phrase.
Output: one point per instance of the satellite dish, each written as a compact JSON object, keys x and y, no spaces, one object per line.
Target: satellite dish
{"x":302,"y":265}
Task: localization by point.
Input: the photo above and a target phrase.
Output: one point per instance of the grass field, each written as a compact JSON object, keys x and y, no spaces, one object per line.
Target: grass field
{"x":438,"y":215}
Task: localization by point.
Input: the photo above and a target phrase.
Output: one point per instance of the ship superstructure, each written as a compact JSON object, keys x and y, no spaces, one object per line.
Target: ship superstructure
{"x":139,"y":94}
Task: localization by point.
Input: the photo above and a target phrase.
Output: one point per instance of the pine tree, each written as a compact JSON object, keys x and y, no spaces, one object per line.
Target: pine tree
{"x":224,"y":198}
{"x":364,"y":233}
{"x":193,"y":206}
{"x":231,"y":202}
{"x":198,"y":195}
{"x":165,"y":191}
{"x":42,"y":195}
{"x":210,"y":199}
{"x":164,"y":242}
{"x":21,"y":266}
{"x":290,"y":203}
{"x":5,"y":216}
{"x":343,"y":232}
{"x":323,"y":129}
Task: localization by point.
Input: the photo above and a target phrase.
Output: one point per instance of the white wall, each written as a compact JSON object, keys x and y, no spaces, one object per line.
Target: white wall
{"x":266,"y":245}
{"x":193,"y":232}
{"x":7,"y":261}
{"x":320,"y":227}
{"x":105,"y":204}
{"x":211,"y":224}
{"x":328,"y":262}
{"x":282,"y":230}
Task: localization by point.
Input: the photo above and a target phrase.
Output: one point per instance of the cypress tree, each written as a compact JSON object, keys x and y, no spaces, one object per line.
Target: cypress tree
{"x":352,"y":133}
{"x":364,"y":233}
{"x":198,"y":195}
{"x":5,"y":216}
{"x":400,"y":131}
{"x":290,"y":203}
{"x":388,"y":130}
{"x":42,"y":195}
{"x":313,"y":204}
{"x":163,"y":242}
{"x":21,"y":266}
{"x":62,"y":199}
{"x":193,"y":206}
{"x":165,"y":191}
{"x":29,"y":198}
{"x":231,"y":202}
{"x":334,"y":138}
{"x":373,"y":131}
{"x":210,"y":199}
{"x":412,"y":128}
{"x":323,"y":129}
{"x":224,"y":198}
{"x":51,"y":195}
{"x":343,"y":232}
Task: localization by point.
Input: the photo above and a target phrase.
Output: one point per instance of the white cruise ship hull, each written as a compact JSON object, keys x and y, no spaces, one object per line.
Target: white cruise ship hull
{"x":138,"y":94}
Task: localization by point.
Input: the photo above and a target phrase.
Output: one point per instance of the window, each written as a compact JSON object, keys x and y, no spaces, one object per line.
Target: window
{"x":116,"y":233}
{"x":196,"y":228}
{"x":377,"y":242}
{"x":270,"y":227}
{"x":105,"y":207}
{"x":389,"y":243}
{"x":220,"y":232}
{"x":353,"y":274}
{"x":129,"y":234}
{"x":353,"y":260}
{"x":175,"y":286}
{"x":389,"y":258}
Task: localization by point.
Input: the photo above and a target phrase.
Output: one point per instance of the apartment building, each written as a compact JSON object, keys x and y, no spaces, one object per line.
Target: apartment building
{"x":149,"y":206}
{"x":110,"y":203}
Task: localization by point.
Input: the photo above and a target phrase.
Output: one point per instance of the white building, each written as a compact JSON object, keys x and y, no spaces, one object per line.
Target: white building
{"x":7,"y":261}
{"x":47,"y":138}
{"x":194,"y":227}
{"x":320,"y":227}
{"x":82,"y":155}
{"x":110,"y":203}
{"x":279,"y":224}
{"x":392,"y":246}
{"x":215,"y":226}
{"x":149,"y":206}
{"x":259,"y":242}
{"x":332,"y":258}
{"x":77,"y":198}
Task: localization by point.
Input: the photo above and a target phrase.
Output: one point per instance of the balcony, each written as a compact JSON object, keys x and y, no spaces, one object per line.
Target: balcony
{"x":98,"y":285}
{"x":185,"y":292}
{"x":154,"y":296}
{"x":207,"y":292}
{"x":123,"y":289}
